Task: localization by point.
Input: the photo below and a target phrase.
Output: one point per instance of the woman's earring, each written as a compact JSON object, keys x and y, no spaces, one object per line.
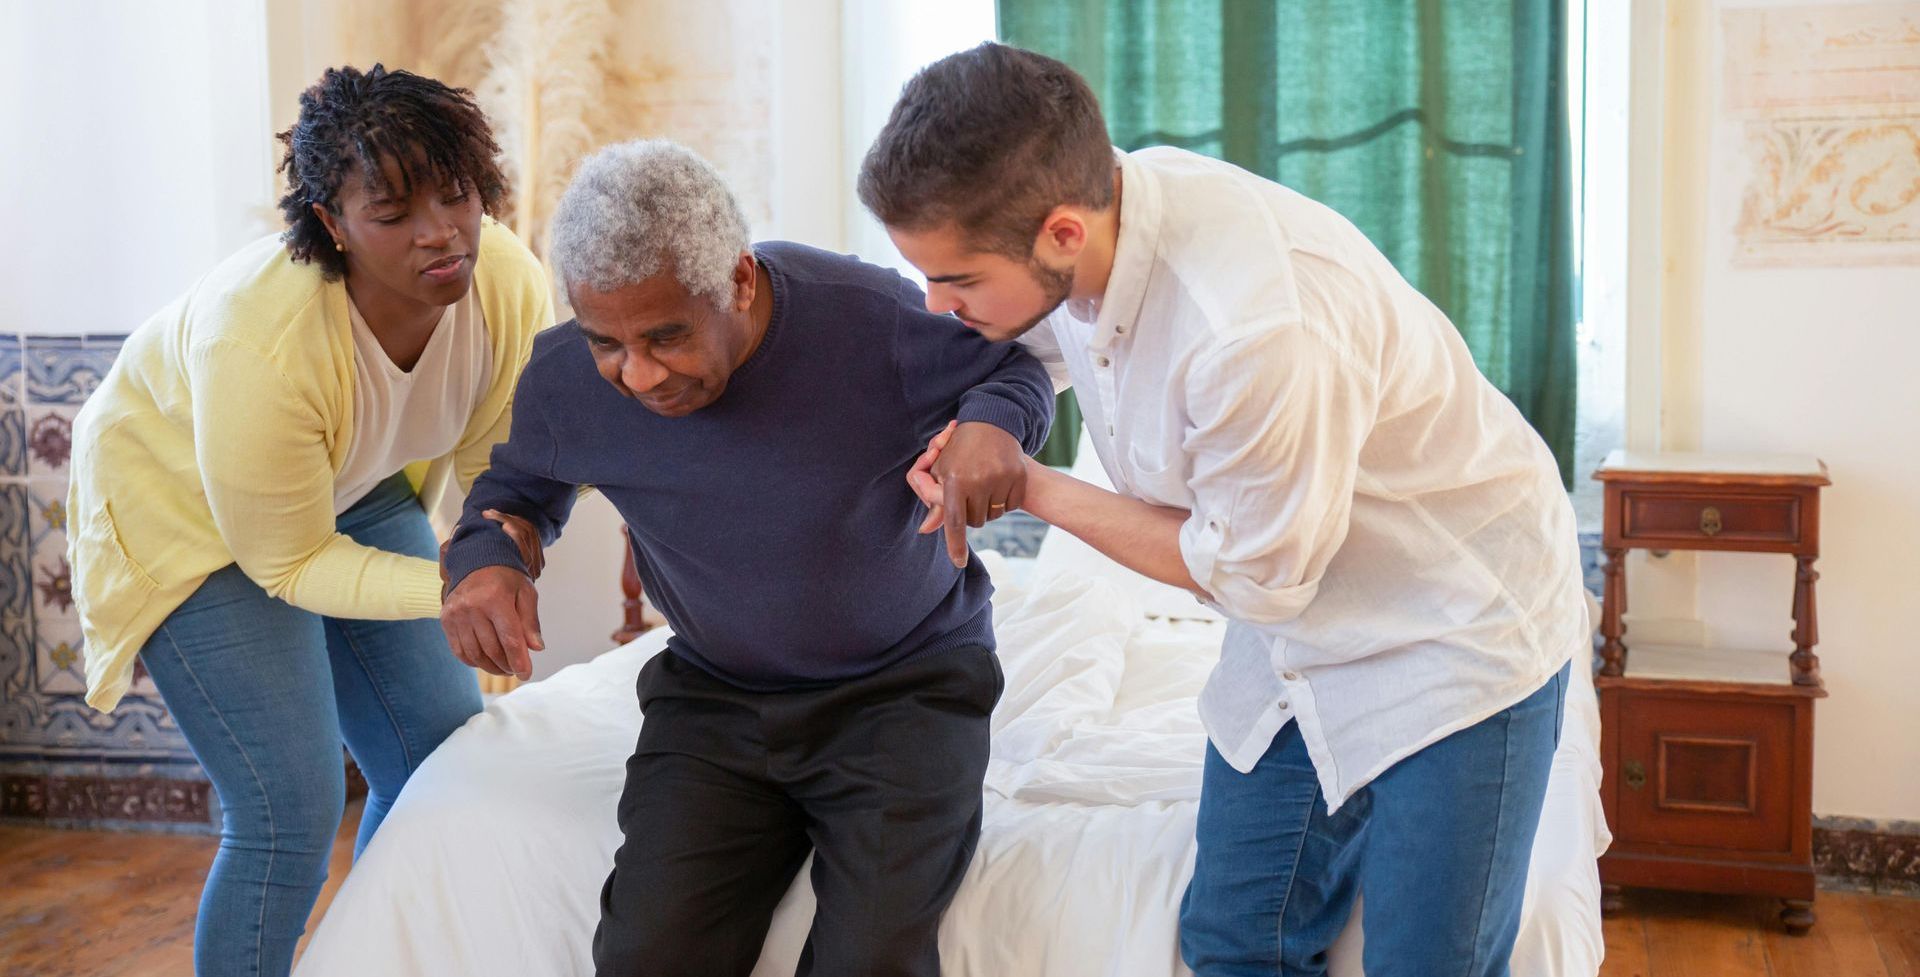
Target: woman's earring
{"x":337,"y":246}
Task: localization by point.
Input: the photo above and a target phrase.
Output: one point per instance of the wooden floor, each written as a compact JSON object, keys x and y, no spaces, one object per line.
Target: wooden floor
{"x":99,"y":904}
{"x":1673,"y":934}
{"x":81,"y":904}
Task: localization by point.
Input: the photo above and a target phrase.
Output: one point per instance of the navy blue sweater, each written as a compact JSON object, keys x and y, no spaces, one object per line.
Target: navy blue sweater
{"x":774,"y":528}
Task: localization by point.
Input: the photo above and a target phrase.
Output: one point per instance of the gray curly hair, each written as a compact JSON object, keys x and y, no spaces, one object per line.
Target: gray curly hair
{"x":635,"y":208}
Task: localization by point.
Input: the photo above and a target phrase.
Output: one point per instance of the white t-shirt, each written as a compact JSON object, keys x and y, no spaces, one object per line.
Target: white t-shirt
{"x":403,"y":416}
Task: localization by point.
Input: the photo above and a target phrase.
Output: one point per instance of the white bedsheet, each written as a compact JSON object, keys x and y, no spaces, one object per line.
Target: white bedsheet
{"x":491,"y":861}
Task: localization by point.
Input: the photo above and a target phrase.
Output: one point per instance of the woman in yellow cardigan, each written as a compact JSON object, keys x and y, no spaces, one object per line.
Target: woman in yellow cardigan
{"x":250,"y":485}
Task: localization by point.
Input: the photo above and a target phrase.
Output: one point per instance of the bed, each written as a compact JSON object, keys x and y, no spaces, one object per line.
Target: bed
{"x":491,"y":860}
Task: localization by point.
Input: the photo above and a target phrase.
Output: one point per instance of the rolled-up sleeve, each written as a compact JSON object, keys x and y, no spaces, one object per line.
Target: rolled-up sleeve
{"x":1277,"y":421}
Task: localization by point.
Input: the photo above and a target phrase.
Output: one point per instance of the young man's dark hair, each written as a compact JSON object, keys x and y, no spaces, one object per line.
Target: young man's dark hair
{"x":989,"y":140}
{"x":434,"y":132}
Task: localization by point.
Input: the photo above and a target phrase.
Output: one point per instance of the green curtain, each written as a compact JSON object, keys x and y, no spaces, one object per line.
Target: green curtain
{"x":1440,"y":129}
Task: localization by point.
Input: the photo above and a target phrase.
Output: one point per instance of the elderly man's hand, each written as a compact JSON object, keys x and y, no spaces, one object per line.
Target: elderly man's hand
{"x":492,"y":621}
{"x":970,"y":474}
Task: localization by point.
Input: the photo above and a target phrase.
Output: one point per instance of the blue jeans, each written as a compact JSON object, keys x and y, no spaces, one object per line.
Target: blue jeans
{"x":1439,"y":843}
{"x":266,"y":693}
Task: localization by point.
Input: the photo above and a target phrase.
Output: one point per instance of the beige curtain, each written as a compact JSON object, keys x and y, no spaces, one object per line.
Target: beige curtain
{"x":558,"y":79}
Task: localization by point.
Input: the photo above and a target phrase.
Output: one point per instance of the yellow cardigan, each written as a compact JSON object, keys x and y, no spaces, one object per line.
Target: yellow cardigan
{"x":216,"y":436}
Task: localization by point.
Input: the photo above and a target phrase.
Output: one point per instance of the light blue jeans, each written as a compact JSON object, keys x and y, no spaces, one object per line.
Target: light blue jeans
{"x":1439,"y":844}
{"x":266,"y":694}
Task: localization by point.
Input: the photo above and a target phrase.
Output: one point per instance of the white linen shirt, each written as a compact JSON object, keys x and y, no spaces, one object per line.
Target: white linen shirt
{"x":1386,"y":534}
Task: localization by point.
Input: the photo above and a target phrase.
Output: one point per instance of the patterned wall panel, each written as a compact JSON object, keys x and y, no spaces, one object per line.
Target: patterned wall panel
{"x":60,"y":760}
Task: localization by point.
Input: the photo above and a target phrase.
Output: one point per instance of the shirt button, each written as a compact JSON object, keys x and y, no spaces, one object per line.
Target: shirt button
{"x":1102,"y":361}
{"x":1120,"y":329}
{"x":1290,"y":676}
{"x":1283,"y":704}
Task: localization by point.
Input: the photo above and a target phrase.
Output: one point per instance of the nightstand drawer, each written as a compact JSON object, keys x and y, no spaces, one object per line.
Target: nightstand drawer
{"x":1683,"y":519}
{"x":1708,"y":772}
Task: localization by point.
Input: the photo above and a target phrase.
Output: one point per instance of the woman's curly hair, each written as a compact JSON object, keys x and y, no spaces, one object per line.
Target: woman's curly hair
{"x":434,"y":132}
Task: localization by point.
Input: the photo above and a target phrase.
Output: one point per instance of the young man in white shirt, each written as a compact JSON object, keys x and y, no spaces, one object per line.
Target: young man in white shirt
{"x":1303,"y":441}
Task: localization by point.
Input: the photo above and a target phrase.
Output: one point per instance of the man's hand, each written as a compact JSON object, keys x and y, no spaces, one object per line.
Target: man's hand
{"x":523,"y":535}
{"x":492,"y":621}
{"x":524,"y":538}
{"x":970,"y":474}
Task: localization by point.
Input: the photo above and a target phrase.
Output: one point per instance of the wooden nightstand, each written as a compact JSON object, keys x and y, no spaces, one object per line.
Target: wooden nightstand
{"x":1708,"y":753}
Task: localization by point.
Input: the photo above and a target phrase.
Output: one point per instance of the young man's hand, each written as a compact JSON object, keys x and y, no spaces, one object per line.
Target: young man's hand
{"x":492,"y":621}
{"x":970,"y":474}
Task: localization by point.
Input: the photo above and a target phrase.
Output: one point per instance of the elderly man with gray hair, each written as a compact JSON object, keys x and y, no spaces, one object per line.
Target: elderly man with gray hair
{"x":753,"y":412}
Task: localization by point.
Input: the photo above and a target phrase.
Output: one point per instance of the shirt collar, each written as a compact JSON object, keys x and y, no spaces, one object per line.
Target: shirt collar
{"x":1133,"y":252}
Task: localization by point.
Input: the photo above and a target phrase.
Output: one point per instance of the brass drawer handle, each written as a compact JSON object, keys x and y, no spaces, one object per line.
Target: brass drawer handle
{"x":1710,"y":521}
{"x":1636,"y":775}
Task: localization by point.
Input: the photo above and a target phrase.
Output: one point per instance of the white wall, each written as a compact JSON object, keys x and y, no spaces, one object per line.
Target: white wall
{"x":1816,"y":360}
{"x":137,"y":155}
{"x":885,"y":42}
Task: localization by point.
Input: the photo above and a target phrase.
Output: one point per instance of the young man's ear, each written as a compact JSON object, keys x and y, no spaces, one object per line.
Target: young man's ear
{"x":1063,"y":235}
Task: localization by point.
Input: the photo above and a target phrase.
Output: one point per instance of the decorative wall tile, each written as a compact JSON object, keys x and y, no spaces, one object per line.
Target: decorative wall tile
{"x":49,"y":440}
{"x":66,"y":369}
{"x":60,"y":759}
{"x":13,"y":385}
{"x":13,"y":441}
{"x":108,"y":796}
{"x":20,"y":705}
{"x":59,"y":665}
{"x":1867,"y":855}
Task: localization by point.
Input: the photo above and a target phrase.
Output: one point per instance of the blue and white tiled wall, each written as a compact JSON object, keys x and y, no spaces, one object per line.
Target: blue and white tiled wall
{"x":60,"y":760}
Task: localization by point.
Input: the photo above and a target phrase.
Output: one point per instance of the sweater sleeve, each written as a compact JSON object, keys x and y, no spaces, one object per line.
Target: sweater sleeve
{"x":950,"y":372}
{"x":519,"y":481}
{"x":261,"y":447}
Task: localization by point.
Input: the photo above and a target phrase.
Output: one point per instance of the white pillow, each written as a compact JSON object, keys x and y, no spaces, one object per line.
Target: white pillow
{"x":1062,"y":554}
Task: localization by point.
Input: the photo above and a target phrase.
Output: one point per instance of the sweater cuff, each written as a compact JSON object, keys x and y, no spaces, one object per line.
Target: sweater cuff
{"x":1000,"y":413}
{"x":418,"y":590}
{"x":489,"y":547}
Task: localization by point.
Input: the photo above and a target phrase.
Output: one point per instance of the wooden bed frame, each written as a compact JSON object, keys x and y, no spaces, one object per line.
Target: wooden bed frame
{"x":632,"y":608}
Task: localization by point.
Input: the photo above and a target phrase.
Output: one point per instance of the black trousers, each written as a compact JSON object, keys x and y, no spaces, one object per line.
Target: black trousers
{"x":729,"y":789}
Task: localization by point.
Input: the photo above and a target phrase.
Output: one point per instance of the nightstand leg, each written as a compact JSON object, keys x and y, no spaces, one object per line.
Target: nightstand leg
{"x":1613,"y":602}
{"x":1797,"y":915}
{"x":1806,"y":626}
{"x":1611,"y":901}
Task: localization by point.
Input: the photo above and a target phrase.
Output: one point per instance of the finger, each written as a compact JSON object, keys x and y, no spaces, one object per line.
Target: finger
{"x":457,"y":640}
{"x":527,"y":602}
{"x":935,"y":516}
{"x":956,"y":520}
{"x":946,"y":434}
{"x":513,"y":641}
{"x":996,"y":509}
{"x":532,"y":554}
{"x":977,"y":510}
{"x":926,"y":460}
{"x":926,"y":487}
{"x":487,"y":643}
